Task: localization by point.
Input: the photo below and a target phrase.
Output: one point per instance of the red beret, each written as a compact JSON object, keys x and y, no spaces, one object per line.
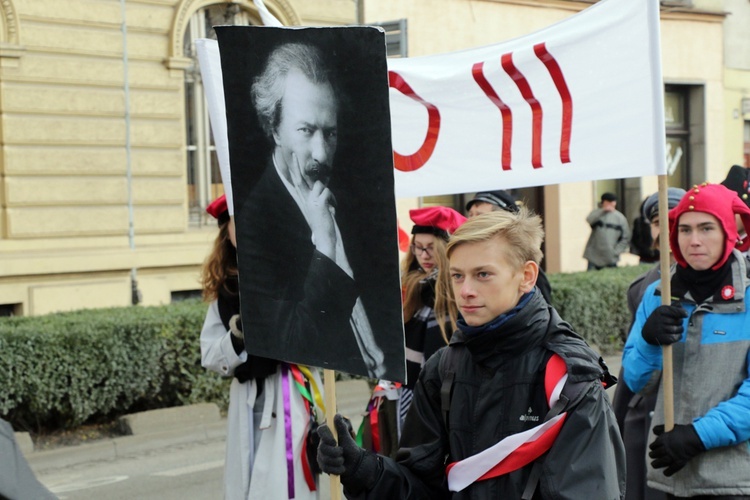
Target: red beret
{"x":218,"y":207}
{"x":722,"y":203}
{"x":430,"y":218}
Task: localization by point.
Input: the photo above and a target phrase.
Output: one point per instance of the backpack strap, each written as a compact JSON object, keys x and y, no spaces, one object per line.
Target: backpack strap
{"x":571,"y":392}
{"x":447,"y":371}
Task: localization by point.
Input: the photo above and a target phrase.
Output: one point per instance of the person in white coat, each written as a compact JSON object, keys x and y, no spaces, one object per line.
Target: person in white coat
{"x":274,"y":407}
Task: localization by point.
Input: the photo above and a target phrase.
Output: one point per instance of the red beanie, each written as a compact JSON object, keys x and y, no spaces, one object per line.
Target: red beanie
{"x":722,"y":203}
{"x":430,"y":218}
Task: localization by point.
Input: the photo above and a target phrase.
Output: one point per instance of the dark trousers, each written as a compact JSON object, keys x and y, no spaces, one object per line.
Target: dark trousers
{"x":592,"y":267}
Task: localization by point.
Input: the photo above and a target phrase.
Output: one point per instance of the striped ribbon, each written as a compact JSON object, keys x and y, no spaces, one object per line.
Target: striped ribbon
{"x":384,"y":389}
{"x":288,"y":429}
{"x":298,"y":372}
{"x":517,"y":450}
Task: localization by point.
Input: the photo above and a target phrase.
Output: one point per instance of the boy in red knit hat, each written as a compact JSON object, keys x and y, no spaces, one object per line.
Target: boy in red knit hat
{"x":707,"y":454}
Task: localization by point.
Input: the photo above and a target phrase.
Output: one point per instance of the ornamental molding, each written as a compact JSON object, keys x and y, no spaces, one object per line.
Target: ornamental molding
{"x":282,"y":9}
{"x":9,"y":34}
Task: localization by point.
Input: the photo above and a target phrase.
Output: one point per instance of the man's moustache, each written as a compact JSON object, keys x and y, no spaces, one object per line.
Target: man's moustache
{"x":319,"y":171}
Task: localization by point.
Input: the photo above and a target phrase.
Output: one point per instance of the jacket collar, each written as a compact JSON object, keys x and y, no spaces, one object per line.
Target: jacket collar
{"x":512,"y":333}
{"x":740,"y":280}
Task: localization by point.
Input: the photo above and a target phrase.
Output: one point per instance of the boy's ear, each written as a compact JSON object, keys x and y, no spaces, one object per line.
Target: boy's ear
{"x":530,"y":272}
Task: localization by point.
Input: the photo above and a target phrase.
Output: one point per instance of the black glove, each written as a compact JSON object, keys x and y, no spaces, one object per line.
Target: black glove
{"x":311,"y":447}
{"x":675,"y":448}
{"x":358,"y":469}
{"x":664,"y":326}
{"x":244,"y":372}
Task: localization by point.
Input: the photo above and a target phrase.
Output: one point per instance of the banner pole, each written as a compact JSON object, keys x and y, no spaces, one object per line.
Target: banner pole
{"x":666,"y":299}
{"x":329,"y":383}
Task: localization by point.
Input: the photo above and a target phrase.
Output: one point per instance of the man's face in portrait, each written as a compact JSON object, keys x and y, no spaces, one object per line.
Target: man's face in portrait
{"x":308,"y":127}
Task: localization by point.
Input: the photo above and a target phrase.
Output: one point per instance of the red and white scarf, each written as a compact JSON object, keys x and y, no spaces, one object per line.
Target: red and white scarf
{"x":518,"y":450}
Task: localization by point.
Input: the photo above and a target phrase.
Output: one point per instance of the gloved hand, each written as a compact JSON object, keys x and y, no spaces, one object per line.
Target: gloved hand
{"x":675,"y":448}
{"x":358,"y":469}
{"x":244,"y":372}
{"x":664,"y":325}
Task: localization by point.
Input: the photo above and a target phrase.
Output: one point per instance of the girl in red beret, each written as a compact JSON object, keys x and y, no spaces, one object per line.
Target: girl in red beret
{"x":424,"y":265}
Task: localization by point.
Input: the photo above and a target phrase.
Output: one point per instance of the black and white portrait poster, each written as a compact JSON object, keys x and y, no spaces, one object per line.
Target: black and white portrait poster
{"x":312,"y":174}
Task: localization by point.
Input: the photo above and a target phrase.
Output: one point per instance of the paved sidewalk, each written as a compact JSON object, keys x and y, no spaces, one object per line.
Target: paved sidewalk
{"x":160,"y":429}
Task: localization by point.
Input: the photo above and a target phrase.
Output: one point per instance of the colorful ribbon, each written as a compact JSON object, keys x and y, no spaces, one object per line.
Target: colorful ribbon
{"x":311,"y":395}
{"x":303,"y":386}
{"x":288,"y":429}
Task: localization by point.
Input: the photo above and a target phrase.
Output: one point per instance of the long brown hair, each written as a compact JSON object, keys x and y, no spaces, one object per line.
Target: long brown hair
{"x":412,"y":274}
{"x":220,"y":264}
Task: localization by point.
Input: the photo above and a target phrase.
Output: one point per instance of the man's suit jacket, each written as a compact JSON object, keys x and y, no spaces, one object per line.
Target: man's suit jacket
{"x":296,"y":302}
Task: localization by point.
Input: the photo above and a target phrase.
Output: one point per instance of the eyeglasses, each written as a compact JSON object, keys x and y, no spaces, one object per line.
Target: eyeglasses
{"x":418,"y":250}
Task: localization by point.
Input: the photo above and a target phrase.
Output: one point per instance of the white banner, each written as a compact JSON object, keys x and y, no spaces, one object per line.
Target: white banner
{"x":580,"y":100}
{"x":209,"y":61}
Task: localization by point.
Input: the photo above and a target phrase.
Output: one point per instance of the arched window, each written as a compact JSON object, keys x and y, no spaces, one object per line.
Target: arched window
{"x":203,"y":177}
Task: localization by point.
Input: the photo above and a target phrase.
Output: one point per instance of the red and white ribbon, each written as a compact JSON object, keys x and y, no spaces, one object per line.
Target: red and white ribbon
{"x":517,"y":450}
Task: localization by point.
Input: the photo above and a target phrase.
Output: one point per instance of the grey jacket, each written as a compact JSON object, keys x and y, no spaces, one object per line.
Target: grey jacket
{"x":610,"y":236}
{"x":711,"y":386}
{"x":17,"y":480}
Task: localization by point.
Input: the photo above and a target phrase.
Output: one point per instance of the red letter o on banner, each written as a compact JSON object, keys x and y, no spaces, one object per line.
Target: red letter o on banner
{"x":417,"y":160}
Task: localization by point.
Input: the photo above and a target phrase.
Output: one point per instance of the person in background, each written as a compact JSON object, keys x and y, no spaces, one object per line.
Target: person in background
{"x":425,"y":333}
{"x":491,"y":201}
{"x":633,"y":411}
{"x":738,"y":180}
{"x":641,"y":240}
{"x":265,"y":404}
{"x":610,"y":234}
{"x":707,"y":453}
{"x":17,"y":480}
{"x":515,"y":385}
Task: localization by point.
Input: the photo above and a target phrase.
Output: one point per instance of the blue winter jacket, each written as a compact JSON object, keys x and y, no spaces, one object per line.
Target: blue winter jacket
{"x":711,"y":385}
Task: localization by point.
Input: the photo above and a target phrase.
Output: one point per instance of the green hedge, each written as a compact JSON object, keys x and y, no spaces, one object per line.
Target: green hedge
{"x":595,"y":303}
{"x":61,"y":370}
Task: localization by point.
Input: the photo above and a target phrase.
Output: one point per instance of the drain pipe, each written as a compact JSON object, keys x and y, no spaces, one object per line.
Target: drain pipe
{"x":135,"y":294}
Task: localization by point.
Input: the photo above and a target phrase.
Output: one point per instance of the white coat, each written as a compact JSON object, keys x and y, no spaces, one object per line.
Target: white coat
{"x":266,"y":477}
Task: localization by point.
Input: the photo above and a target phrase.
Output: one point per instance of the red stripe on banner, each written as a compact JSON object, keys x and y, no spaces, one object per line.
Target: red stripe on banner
{"x":536,"y":108}
{"x":477,"y":71}
{"x":409,"y":163}
{"x":556,"y":73}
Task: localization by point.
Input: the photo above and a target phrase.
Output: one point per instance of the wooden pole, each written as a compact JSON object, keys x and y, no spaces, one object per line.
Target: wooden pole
{"x":667,"y":376}
{"x":329,"y":383}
